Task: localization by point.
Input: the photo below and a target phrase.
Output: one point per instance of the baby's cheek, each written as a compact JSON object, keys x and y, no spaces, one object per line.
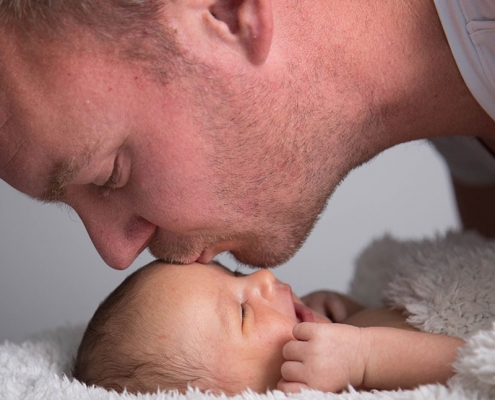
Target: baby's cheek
{"x":273,"y":352}
{"x":284,"y":337}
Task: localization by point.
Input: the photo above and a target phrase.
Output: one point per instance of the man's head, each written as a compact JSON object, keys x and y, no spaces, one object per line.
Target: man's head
{"x":133,"y":28}
{"x":222,"y":155}
{"x":230,"y":137}
{"x":170,"y":326}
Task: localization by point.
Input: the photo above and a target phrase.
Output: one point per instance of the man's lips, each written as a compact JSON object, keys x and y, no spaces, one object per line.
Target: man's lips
{"x":303,"y":313}
{"x":204,"y":257}
{"x":213,"y":249}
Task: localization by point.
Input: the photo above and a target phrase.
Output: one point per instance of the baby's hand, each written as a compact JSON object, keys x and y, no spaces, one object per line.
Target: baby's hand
{"x":334,"y":305}
{"x":326,"y":357}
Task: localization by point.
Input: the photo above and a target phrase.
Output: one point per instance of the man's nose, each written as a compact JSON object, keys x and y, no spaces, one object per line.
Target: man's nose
{"x":263,"y":282}
{"x":118,"y":235}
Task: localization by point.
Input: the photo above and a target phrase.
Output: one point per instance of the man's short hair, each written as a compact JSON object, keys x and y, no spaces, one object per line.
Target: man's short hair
{"x":136,"y":27}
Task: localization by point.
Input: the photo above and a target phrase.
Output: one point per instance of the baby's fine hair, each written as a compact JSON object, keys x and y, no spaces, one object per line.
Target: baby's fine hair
{"x":117,"y":353}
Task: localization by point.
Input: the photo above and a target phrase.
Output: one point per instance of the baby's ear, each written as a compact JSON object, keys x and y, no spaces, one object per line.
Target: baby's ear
{"x":245,"y":25}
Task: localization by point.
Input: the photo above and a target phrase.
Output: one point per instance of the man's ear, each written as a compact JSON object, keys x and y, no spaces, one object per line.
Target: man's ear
{"x":245,"y":24}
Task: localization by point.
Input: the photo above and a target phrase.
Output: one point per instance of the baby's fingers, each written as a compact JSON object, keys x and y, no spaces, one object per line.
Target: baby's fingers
{"x":304,"y":330}
{"x":294,"y":350}
{"x":293,"y":371}
{"x":291,"y":387}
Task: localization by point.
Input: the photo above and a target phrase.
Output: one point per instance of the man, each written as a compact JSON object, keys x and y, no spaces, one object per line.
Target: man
{"x":201,"y":126}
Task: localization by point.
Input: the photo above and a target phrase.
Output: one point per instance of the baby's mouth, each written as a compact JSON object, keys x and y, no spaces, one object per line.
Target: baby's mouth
{"x":303,"y":313}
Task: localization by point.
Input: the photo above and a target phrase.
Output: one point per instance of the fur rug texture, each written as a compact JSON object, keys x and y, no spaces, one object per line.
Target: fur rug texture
{"x":446,"y":284}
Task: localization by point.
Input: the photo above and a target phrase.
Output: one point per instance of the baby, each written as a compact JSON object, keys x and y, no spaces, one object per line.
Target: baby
{"x":171,"y":326}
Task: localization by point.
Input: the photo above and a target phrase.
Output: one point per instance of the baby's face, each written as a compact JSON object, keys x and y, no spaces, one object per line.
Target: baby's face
{"x":236,"y":324}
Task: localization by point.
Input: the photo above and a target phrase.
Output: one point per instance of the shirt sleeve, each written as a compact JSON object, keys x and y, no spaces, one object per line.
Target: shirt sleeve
{"x":469,"y":26}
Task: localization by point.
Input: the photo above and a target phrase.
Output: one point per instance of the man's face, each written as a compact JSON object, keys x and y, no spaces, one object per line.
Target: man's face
{"x":191,"y":168}
{"x":235,"y":325}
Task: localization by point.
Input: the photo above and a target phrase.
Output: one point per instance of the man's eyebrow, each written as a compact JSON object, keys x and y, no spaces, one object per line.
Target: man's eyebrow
{"x":61,"y":174}
{"x":58,"y":178}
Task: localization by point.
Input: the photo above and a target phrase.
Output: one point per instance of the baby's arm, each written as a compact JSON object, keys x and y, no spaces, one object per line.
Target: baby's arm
{"x":380,"y":351}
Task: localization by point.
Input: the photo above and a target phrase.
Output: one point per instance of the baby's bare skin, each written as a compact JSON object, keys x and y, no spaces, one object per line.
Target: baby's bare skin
{"x":367,"y":349}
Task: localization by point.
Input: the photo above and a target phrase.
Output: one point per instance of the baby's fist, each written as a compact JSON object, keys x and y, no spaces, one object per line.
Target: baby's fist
{"x":326,"y":357}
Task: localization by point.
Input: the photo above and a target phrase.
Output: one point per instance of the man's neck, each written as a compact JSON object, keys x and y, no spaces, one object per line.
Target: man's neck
{"x":394,"y":55}
{"x":433,"y":96}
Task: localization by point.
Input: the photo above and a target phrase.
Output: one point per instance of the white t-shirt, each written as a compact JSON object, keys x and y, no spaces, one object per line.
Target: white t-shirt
{"x":470,"y":29}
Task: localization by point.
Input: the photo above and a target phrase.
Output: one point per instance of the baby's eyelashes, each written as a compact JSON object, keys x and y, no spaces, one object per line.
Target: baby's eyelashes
{"x":243,"y":311}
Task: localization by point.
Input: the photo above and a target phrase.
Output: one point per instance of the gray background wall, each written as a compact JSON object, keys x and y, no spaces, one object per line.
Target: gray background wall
{"x":50,"y":274}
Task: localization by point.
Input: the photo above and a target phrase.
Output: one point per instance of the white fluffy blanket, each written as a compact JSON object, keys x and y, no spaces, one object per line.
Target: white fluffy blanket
{"x":447,"y":285}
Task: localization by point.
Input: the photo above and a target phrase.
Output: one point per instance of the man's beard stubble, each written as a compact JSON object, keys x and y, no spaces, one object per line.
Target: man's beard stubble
{"x":273,"y":237}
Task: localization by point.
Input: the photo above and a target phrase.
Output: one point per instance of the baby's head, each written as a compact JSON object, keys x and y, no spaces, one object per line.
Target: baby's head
{"x":170,"y":326}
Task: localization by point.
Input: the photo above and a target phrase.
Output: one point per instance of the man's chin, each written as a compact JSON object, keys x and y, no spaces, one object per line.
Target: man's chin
{"x":176,"y":258}
{"x":260,"y":259}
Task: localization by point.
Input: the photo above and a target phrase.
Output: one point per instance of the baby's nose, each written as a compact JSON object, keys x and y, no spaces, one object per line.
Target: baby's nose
{"x":264,"y":281}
